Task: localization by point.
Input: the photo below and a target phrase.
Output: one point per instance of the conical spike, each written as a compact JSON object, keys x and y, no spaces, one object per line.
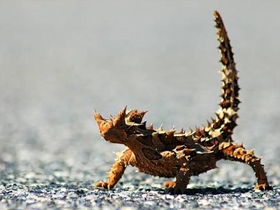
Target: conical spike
{"x":111,"y":118}
{"x":98,"y":117}
{"x":141,"y":115}
{"x":160,"y":128}
{"x":100,"y":120}
{"x":120,"y":119}
{"x":150,"y":127}
{"x":170,"y":132}
{"x":251,"y":152}
{"x":135,"y":116}
{"x":197,"y":131}
{"x":218,"y":116}
{"x":182,"y":131}
{"x":203,"y":131}
{"x":144,"y":124}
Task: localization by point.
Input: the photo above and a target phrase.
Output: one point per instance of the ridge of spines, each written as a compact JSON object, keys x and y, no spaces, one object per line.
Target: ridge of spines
{"x":225,"y":121}
{"x":222,"y":126}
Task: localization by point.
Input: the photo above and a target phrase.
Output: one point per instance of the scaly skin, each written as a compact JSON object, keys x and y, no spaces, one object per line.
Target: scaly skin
{"x":182,"y":155}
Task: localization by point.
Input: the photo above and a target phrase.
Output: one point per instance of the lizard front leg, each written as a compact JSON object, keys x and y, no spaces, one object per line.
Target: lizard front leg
{"x":239,"y":153}
{"x":116,"y":171}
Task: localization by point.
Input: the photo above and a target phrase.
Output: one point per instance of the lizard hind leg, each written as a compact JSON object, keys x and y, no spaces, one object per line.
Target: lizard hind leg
{"x":238,"y":153}
{"x":182,"y":180}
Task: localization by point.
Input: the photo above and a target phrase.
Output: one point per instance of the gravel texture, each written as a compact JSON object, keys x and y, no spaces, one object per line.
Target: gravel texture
{"x":60,"y":60}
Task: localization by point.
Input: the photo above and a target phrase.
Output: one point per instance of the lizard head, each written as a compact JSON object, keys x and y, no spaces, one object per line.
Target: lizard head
{"x":116,"y":130}
{"x":113,"y":129}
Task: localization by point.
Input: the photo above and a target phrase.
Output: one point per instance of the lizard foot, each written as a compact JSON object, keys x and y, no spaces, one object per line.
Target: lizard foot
{"x":103,"y":185}
{"x":173,"y":189}
{"x":263,"y":187}
{"x":169,"y":184}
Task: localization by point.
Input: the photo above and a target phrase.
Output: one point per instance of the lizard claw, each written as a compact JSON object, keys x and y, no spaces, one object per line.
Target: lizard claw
{"x":262,"y":187}
{"x":169,"y":184}
{"x":173,"y":189}
{"x":103,"y":185}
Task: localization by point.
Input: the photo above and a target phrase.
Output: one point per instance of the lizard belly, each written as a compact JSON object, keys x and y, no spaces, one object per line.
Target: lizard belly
{"x":167,"y":171}
{"x":166,"y":166}
{"x":201,"y":164}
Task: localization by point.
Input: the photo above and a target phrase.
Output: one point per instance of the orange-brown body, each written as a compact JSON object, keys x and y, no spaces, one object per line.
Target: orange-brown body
{"x":180,"y":154}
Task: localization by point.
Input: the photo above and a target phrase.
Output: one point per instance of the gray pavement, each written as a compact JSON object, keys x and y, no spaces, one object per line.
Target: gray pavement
{"x":60,"y":60}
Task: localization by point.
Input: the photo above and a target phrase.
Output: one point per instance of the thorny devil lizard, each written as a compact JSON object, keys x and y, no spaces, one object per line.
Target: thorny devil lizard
{"x":183,"y":154}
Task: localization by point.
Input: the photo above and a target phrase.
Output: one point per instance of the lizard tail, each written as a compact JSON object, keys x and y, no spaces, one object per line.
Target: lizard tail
{"x":222,"y":127}
{"x":227,"y":114}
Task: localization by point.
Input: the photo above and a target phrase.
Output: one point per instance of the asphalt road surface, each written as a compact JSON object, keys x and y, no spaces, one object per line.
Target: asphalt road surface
{"x":60,"y":60}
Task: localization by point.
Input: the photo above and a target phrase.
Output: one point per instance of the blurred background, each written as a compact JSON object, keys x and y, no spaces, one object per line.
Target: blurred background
{"x":60,"y":60}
